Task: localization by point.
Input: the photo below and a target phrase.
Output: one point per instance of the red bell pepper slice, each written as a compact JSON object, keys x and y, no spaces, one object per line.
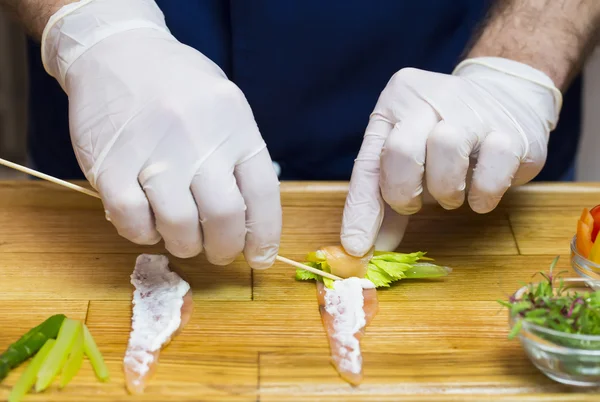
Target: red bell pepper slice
{"x":595,"y":212}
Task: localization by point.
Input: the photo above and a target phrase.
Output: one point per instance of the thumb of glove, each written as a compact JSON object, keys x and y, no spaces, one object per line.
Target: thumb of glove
{"x":392,"y":230}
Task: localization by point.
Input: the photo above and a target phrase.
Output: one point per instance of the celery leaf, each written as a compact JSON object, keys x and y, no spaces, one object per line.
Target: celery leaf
{"x":383,"y":269}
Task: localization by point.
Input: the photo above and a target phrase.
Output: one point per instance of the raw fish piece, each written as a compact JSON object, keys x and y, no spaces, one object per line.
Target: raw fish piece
{"x":162,"y":306}
{"x":345,"y":311}
{"x":344,"y":265}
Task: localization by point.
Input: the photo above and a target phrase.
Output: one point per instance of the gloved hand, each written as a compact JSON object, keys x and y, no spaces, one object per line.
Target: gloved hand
{"x":491,"y":117}
{"x":168,"y":141}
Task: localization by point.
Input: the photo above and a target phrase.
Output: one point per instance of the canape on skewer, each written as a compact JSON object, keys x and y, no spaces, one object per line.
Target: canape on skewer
{"x":349,"y":305}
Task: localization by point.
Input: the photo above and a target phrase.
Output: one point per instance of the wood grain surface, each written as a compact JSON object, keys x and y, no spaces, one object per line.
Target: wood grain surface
{"x":257,"y":335}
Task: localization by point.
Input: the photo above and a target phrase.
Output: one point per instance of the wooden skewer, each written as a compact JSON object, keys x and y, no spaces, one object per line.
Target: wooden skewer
{"x":91,"y":193}
{"x":307,"y":268}
{"x":48,"y":178}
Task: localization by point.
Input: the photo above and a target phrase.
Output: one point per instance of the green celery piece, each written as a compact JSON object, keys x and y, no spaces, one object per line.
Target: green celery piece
{"x":378,"y":276}
{"x":399,"y":257}
{"x":74,"y":361}
{"x":93,"y":353}
{"x":29,"y":344}
{"x":27,"y":379}
{"x":394,"y":269}
{"x":59,"y":353}
{"x":426,"y":270}
{"x":316,"y":256}
{"x":303,"y":275}
{"x":328,"y":282}
{"x":383,"y":272}
{"x":384,"y":268}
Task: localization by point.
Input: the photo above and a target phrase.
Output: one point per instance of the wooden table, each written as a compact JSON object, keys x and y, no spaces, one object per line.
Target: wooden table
{"x":257,"y":335}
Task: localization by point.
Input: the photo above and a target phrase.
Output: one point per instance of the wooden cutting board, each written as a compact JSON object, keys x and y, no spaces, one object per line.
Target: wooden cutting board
{"x":257,"y":335}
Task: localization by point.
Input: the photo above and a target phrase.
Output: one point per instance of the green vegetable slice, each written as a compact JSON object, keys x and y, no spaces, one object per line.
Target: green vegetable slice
{"x":93,"y":353}
{"x":27,"y":379}
{"x":303,"y":275}
{"x":74,"y":360}
{"x":59,"y":353}
{"x":29,"y":344}
{"x":426,"y":270}
{"x":316,"y":256}
{"x":383,"y":269}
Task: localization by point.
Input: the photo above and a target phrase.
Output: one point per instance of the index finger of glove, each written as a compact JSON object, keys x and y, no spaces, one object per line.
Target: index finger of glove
{"x":363,"y":212}
{"x":259,"y":186}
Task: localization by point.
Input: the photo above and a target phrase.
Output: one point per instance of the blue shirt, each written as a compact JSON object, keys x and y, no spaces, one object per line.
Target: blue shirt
{"x":312,"y":72}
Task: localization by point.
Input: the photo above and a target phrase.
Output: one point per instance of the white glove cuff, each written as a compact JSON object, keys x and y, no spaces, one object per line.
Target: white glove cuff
{"x":78,"y":26}
{"x":518,"y":70}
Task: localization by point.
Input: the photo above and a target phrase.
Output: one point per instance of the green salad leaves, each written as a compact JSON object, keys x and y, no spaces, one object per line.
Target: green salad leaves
{"x":383,"y":269}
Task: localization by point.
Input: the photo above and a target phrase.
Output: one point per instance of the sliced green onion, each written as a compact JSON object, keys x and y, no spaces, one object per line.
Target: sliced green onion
{"x":27,"y":379}
{"x":59,"y":353}
{"x":29,"y":344}
{"x":93,"y":353}
{"x":74,"y":360}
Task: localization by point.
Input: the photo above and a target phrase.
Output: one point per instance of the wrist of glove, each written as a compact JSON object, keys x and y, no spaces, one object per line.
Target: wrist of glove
{"x":470,"y":135}
{"x":77,"y":27}
{"x":168,"y":141}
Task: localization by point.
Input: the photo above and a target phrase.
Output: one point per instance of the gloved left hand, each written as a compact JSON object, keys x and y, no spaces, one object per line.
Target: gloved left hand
{"x":167,"y":140}
{"x":491,"y":117}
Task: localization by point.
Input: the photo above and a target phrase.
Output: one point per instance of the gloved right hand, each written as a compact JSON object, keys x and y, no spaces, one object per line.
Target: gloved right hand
{"x":160,"y":132}
{"x":469,"y":135}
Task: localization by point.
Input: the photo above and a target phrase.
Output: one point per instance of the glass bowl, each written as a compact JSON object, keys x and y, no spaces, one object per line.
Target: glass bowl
{"x":566,"y":358}
{"x":584,"y":267}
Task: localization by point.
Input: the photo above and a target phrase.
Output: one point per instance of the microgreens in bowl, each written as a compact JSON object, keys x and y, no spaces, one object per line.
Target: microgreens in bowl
{"x":558,"y":324}
{"x":550,"y":304}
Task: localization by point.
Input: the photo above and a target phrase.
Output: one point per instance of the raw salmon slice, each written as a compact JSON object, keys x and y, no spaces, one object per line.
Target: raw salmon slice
{"x":345,"y":265}
{"x":162,"y":306}
{"x":345,"y":311}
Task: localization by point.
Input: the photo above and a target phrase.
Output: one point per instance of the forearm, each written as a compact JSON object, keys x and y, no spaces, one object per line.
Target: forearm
{"x":33,"y":14}
{"x":554,"y":36}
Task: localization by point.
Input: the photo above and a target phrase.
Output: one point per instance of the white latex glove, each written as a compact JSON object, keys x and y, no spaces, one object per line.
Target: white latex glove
{"x":168,"y":141}
{"x":491,"y":117}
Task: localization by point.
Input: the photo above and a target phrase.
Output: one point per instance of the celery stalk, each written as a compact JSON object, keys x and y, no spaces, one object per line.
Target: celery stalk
{"x":93,"y":353}
{"x":426,"y":270}
{"x":74,"y":360}
{"x":59,"y":353}
{"x":28,"y":377}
